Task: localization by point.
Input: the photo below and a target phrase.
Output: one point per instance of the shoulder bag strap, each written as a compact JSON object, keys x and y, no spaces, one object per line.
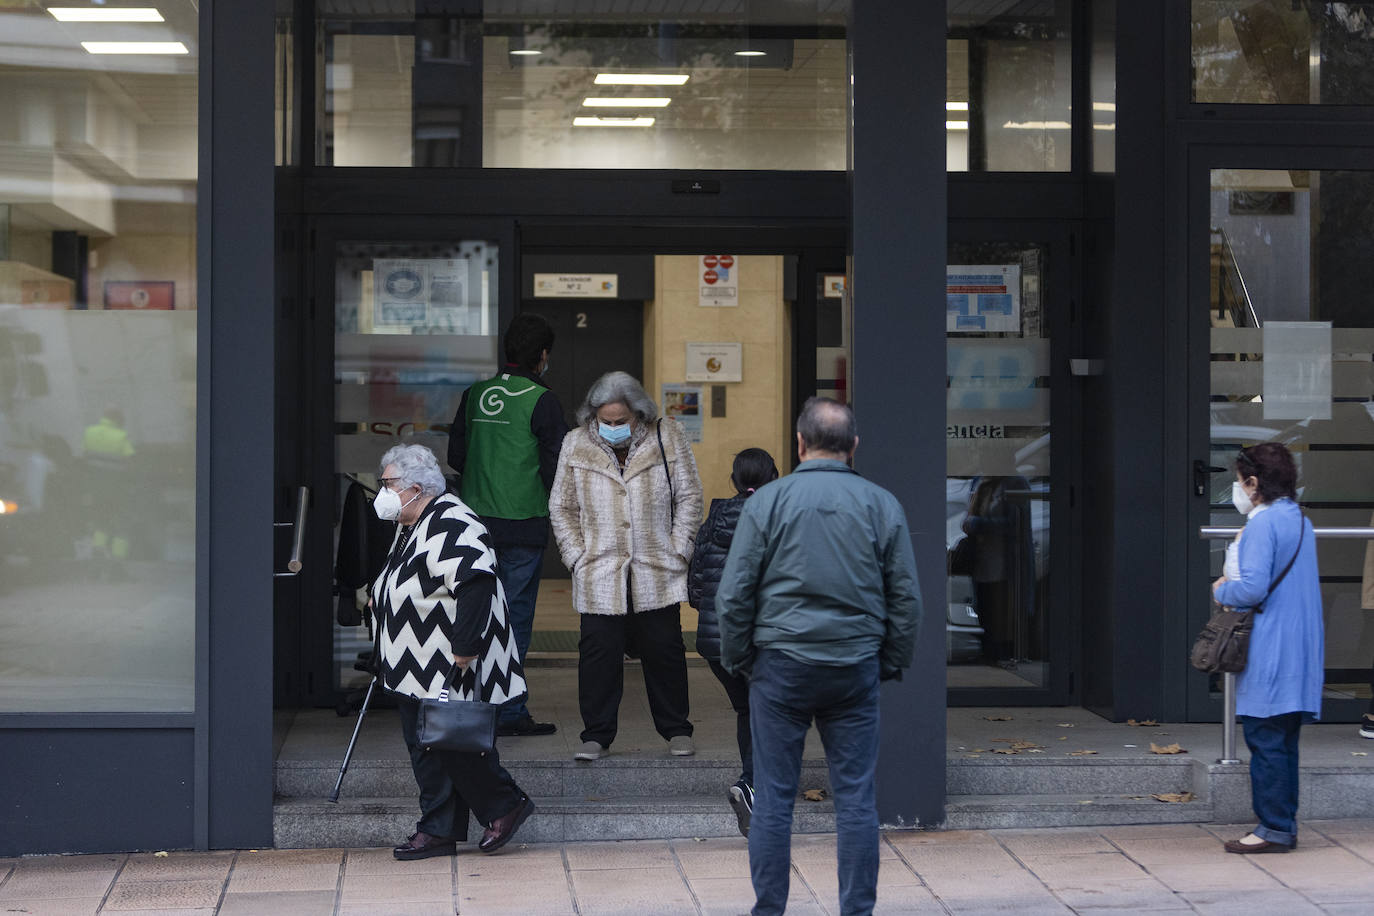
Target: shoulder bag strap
{"x":672,"y":500}
{"x":1302,"y":533}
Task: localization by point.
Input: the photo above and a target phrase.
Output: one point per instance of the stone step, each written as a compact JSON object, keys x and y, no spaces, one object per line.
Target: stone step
{"x":368,"y":822}
{"x":983,"y":812}
{"x":1025,"y":775}
{"x":611,"y":776}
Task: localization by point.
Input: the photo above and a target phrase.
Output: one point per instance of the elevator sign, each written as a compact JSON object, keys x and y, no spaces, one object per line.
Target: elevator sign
{"x":719,"y":281}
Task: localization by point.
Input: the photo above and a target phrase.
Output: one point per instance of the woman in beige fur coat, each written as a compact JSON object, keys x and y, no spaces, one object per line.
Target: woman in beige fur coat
{"x":625,"y":507}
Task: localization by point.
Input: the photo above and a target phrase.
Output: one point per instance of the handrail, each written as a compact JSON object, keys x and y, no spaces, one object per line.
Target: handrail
{"x":294,"y":565}
{"x":1228,"y":679}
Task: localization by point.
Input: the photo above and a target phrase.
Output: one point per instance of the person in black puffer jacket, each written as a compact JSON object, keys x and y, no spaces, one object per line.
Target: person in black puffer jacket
{"x":753,"y":468}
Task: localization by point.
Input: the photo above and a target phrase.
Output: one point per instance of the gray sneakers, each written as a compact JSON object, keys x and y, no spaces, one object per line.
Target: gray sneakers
{"x":681,"y":746}
{"x":590,"y":750}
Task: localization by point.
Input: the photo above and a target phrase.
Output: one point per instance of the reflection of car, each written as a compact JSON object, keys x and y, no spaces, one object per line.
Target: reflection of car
{"x":963,"y":633}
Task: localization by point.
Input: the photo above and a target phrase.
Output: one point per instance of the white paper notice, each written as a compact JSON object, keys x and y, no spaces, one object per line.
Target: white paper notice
{"x":1297,"y":370}
{"x":983,"y":298}
{"x":715,"y":362}
{"x":718,"y":281}
{"x":431,"y":293}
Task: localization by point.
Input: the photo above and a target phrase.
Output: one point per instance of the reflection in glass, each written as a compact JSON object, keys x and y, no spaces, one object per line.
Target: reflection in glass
{"x":726,"y":89}
{"x":1286,"y":247}
{"x":415,"y":325}
{"x":98,"y":163}
{"x":1102,"y":84}
{"x":998,"y":464}
{"x":1009,"y":84}
{"x":1272,"y":52}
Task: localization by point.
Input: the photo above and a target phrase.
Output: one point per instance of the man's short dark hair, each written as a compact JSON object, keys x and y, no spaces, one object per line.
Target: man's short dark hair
{"x":527,"y":338}
{"x":826,"y":425}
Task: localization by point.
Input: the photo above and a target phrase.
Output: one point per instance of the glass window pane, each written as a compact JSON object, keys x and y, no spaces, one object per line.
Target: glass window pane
{"x":1289,"y":257}
{"x":998,"y":465}
{"x":98,"y":158}
{"x":509,"y":89}
{"x":1009,"y":84}
{"x":1103,"y":85}
{"x":1283,"y":53}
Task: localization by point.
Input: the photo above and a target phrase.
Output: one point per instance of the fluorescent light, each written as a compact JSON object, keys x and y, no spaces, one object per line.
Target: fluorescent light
{"x":751,"y":53}
{"x":1037,"y":125}
{"x":98,"y":14}
{"x":1104,"y":106}
{"x":525,"y":52}
{"x":625,"y":103}
{"x":956,"y":125}
{"x":956,"y":106}
{"x":134,"y":47}
{"x":613,"y":122}
{"x":641,"y":79}
{"x":1104,"y":127}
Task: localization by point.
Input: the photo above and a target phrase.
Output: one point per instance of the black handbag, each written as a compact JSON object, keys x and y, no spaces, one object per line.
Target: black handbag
{"x":960,"y":558}
{"x":467,"y":726}
{"x":1224,"y":644}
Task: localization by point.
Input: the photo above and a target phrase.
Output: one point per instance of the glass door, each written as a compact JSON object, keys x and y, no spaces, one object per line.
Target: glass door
{"x":402,"y":322}
{"x":1010,"y":621}
{"x":1280,"y":295}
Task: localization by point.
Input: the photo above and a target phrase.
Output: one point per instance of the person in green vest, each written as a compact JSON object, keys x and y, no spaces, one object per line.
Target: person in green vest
{"x":107,"y":449}
{"x":504,"y":444}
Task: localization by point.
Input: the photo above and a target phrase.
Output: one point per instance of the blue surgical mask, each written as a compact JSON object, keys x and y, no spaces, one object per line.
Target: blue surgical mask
{"x":615,"y":435}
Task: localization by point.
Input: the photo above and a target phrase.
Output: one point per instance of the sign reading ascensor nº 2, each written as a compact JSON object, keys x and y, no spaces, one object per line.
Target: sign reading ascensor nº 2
{"x":718,"y":281}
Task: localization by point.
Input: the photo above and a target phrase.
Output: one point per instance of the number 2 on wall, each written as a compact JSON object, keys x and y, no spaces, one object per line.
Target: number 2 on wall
{"x":581,"y":319}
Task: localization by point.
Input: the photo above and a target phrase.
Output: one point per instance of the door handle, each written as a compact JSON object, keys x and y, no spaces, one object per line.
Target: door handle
{"x":293,"y":565}
{"x":1201,"y":472}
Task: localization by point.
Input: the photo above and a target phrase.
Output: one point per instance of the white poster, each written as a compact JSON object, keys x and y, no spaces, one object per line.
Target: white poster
{"x":430,"y":293}
{"x":983,"y":298}
{"x":576,"y":286}
{"x":718,"y":281}
{"x":1297,"y":370}
{"x":715,"y":362}
{"x":683,"y":403}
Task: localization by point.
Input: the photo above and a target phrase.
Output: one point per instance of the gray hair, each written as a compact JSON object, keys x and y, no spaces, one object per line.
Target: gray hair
{"x":618,"y":386}
{"x":827,"y":425}
{"x":416,"y":464}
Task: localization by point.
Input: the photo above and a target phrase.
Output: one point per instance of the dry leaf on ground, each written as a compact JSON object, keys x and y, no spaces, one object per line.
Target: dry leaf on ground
{"x":997,"y":718}
{"x":1087,"y":801}
{"x":814,"y":795}
{"x":1024,"y":745}
{"x":1062,"y":738}
{"x":1066,"y":725}
{"x":1004,"y":750}
{"x":1178,"y":797}
{"x":1359,"y":753}
{"x":1143,"y":723}
{"x":1082,"y":753}
{"x":1166,"y":749}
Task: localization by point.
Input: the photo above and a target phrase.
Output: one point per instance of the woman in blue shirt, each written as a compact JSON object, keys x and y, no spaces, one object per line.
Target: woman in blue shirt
{"x":1281,"y":686}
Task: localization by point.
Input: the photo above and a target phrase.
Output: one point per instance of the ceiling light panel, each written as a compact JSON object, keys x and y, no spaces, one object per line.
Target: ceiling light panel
{"x":613,"y":122}
{"x":134,"y":47}
{"x":626,"y":103}
{"x":105,"y":14}
{"x":641,"y":79}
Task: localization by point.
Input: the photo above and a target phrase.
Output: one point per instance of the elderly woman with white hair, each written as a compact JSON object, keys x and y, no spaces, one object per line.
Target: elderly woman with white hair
{"x":439,"y":606}
{"x":625,"y":506}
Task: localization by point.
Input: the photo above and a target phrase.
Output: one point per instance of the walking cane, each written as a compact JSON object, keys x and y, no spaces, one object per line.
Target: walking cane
{"x":348,"y":754}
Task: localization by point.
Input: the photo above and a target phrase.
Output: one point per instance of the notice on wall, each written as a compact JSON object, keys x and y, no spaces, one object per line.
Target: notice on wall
{"x":1297,"y":370}
{"x":715,"y":362}
{"x":718,"y":280}
{"x":432,"y":293}
{"x":983,"y":298}
{"x":683,"y":404}
{"x":576,"y":286}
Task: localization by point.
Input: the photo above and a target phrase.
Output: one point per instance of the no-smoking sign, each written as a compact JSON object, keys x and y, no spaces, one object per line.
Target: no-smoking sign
{"x":719,"y":285}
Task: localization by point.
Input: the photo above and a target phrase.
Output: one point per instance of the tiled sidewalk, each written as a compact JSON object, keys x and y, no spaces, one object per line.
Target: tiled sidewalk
{"x":1156,"y":869}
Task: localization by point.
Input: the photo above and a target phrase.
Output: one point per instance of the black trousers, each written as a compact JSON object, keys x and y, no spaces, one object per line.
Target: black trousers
{"x":451,"y":783}
{"x":657,"y":637}
{"x":737,"y":689}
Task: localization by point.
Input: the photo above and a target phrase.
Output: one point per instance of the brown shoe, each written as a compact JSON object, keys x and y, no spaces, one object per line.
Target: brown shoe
{"x":1246,"y":849}
{"x":504,"y":827}
{"x":424,"y":846}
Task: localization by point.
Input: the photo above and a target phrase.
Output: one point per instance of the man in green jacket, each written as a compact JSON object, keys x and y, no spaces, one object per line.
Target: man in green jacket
{"x":818,"y":603}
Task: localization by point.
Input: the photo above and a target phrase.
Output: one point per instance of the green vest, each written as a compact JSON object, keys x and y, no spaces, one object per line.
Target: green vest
{"x":501,"y":475}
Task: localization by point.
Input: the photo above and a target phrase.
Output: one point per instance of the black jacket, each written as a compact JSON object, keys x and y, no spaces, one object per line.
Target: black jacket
{"x":708,"y":562}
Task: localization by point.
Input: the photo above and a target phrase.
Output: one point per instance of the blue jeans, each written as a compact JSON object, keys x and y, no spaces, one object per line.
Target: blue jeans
{"x":518,"y":567}
{"x":1273,"y":743}
{"x":784,"y":696}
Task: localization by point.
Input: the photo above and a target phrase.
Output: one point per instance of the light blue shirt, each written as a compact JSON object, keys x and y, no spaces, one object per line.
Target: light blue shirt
{"x":1285,"y":671}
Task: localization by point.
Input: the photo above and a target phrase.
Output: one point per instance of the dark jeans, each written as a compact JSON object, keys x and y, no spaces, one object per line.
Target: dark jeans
{"x":1273,"y":743}
{"x":784,"y":696}
{"x":737,"y":689}
{"x":451,"y":784}
{"x":657,"y":635}
{"x":518,"y":567}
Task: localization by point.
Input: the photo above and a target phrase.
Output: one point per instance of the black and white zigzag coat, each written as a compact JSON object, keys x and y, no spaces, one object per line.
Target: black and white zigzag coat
{"x":415,"y":604}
